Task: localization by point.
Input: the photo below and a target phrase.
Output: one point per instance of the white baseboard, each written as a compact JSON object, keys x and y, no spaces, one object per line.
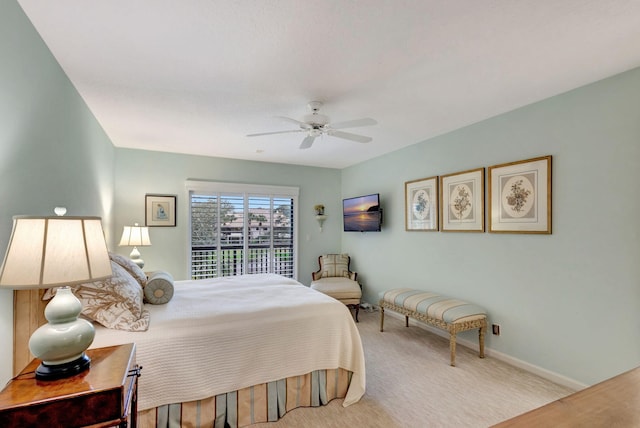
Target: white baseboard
{"x":531,"y":368}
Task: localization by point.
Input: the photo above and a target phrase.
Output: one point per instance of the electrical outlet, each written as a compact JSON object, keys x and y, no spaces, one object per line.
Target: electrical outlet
{"x":495,"y":328}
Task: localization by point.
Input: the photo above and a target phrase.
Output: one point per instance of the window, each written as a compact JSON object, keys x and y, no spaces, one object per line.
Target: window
{"x":242,"y":229}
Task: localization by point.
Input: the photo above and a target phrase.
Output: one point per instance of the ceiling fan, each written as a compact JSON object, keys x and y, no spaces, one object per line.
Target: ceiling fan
{"x":317,"y":124}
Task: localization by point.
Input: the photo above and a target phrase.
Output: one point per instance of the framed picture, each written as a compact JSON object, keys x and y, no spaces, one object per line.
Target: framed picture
{"x":520,"y":196}
{"x":462,"y":201}
{"x":421,"y":204}
{"x":160,"y":210}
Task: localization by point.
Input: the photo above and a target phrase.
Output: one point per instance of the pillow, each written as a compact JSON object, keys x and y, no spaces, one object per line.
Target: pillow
{"x":133,"y":269}
{"x":159,"y":288}
{"x":116,"y":302}
{"x":335,"y":265}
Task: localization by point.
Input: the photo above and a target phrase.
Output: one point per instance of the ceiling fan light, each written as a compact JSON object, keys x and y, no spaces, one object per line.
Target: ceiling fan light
{"x":316,"y":119}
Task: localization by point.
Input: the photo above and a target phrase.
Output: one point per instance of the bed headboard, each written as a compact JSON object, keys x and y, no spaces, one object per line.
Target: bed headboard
{"x":28,"y":315}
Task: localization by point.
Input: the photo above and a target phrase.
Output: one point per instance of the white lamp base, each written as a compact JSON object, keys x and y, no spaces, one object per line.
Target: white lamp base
{"x":61,"y":343}
{"x":135,"y":257}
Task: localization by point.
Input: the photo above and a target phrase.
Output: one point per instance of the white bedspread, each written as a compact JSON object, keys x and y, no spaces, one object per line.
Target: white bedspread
{"x":229,"y":333}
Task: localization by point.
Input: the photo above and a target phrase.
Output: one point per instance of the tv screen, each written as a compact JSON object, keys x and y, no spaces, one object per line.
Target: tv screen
{"x":362,"y":214}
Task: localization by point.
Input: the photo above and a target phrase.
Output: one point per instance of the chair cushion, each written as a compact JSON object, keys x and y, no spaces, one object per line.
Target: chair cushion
{"x":335,"y":265}
{"x":338,"y":288}
{"x":434,"y":305}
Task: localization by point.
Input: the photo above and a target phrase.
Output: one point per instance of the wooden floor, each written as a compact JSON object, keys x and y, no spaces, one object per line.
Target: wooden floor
{"x":612,"y":403}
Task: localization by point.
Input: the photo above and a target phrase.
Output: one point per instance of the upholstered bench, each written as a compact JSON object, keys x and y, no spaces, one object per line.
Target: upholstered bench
{"x":436,"y":310}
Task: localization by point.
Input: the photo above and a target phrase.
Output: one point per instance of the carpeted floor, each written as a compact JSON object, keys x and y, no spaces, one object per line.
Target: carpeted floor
{"x":410,"y":384}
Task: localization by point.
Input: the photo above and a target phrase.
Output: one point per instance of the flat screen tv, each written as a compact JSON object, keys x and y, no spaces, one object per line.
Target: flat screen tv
{"x":362,"y":214}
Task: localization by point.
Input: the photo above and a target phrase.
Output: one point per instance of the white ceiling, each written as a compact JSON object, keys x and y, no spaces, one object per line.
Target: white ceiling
{"x":197,"y":76}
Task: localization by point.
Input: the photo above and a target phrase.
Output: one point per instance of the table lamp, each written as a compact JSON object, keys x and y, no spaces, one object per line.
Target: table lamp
{"x":46,"y":252}
{"x":136,"y":236}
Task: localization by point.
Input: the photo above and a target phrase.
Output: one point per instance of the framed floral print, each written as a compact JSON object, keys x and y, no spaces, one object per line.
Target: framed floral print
{"x":520,"y":196}
{"x":160,"y":210}
{"x":421,"y":204}
{"x":462,"y":201}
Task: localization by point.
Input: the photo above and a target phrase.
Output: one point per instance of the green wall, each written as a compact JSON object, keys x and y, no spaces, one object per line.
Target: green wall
{"x":52,"y":150}
{"x":140,"y":172}
{"x":567,"y":302}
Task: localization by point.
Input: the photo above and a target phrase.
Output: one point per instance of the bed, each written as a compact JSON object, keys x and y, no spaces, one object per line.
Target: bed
{"x":233,"y":350}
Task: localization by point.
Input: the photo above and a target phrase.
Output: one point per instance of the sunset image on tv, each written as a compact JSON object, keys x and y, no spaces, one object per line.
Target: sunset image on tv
{"x":361,"y":214}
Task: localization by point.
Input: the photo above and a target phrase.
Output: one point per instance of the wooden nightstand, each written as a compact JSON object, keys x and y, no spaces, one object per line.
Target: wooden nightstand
{"x":103,"y":396}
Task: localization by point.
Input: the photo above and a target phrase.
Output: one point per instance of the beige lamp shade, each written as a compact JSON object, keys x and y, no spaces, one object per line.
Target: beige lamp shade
{"x":135,"y":236}
{"x":48,"y":252}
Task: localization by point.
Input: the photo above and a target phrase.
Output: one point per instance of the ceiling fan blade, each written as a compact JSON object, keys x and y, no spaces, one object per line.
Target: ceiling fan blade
{"x":275,"y":132}
{"x":349,"y":136}
{"x":367,"y":121}
{"x":307,"y":142}
{"x":297,"y":122}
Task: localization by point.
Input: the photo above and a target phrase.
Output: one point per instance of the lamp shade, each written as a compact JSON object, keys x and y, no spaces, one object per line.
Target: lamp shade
{"x":48,"y":252}
{"x":135,"y":236}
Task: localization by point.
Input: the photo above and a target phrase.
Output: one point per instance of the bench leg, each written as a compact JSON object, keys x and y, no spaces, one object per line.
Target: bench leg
{"x":381,"y":318}
{"x":481,"y":334}
{"x":406,"y":321}
{"x":452,"y":347}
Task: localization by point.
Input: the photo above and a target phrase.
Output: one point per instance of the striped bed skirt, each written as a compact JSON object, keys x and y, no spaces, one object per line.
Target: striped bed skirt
{"x":266,"y":402}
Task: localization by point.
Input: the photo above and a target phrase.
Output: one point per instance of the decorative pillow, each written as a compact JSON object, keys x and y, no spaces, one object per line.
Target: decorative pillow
{"x":133,"y":269}
{"x":334,"y":265}
{"x":159,"y":288}
{"x":115,"y":302}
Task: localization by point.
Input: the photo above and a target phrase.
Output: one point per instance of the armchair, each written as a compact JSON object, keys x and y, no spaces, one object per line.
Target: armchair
{"x":336,"y":280}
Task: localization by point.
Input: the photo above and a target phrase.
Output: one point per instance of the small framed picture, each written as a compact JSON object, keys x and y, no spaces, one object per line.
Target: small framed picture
{"x":520,"y":196}
{"x":462,"y":201}
{"x":160,"y":210}
{"x":421,"y":204}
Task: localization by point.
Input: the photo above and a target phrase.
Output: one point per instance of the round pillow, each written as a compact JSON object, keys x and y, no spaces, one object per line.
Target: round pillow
{"x":159,"y":288}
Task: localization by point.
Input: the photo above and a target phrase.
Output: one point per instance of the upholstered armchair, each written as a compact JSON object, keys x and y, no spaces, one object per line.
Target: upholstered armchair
{"x":336,"y":280}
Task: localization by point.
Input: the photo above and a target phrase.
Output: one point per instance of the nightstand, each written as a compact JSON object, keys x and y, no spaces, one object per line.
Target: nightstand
{"x":103,"y":396}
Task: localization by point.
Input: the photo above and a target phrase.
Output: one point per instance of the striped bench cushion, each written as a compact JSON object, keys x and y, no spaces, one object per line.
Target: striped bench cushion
{"x":434,"y":305}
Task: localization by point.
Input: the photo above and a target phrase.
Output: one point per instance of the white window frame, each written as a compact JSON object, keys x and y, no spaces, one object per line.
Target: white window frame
{"x":215,"y":187}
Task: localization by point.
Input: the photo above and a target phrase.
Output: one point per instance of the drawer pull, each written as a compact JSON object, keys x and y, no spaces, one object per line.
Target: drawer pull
{"x":135,"y":371}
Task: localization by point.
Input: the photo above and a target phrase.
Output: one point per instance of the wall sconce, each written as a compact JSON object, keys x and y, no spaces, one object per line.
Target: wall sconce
{"x":320,"y":217}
